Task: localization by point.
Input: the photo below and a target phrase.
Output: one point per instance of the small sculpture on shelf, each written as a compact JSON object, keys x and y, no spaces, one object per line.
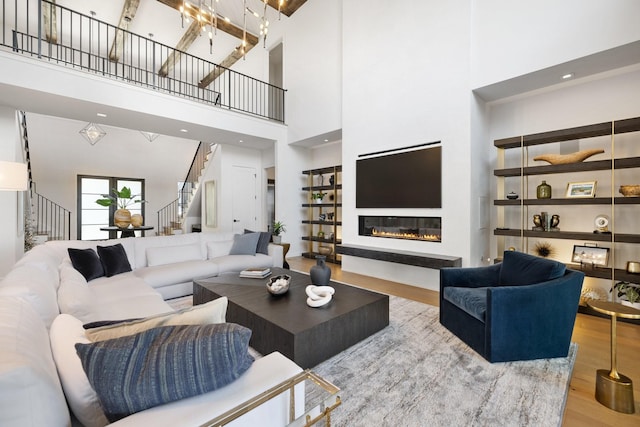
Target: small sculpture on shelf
{"x":322,"y":217}
{"x":537,"y":222}
{"x":512,"y":196}
{"x":330,"y":216}
{"x":545,"y":222}
{"x":332,"y":180}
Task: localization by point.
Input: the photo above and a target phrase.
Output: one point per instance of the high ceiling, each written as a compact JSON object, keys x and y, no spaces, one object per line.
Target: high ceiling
{"x":162,"y":21}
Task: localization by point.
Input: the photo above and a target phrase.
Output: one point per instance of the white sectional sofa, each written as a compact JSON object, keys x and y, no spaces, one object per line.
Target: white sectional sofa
{"x":44,"y":284}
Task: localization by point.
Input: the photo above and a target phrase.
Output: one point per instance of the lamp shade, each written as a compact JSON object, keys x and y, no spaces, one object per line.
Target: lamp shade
{"x":13,"y":176}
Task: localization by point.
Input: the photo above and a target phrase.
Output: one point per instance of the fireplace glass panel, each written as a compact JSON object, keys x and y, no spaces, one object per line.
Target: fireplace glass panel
{"x":401,"y":227}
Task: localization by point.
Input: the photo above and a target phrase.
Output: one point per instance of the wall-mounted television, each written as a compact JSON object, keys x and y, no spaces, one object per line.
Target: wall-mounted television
{"x":410,"y":179}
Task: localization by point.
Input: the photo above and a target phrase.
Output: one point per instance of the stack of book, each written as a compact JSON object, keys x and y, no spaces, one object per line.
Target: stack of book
{"x":256,"y":272}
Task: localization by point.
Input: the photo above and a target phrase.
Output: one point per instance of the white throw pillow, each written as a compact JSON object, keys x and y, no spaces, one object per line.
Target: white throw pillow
{"x":65,"y":332}
{"x":218,"y":249}
{"x":171,"y":254}
{"x":212,"y":312}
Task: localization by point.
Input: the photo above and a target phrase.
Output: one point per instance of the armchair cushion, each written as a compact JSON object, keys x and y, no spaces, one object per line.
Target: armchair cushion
{"x":471,"y":300}
{"x":518,"y":268}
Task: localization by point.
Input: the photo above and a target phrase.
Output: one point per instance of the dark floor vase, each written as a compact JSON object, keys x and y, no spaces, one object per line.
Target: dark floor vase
{"x":320,"y":273}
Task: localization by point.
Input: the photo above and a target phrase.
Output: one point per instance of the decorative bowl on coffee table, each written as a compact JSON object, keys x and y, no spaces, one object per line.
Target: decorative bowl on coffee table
{"x":278,"y":285}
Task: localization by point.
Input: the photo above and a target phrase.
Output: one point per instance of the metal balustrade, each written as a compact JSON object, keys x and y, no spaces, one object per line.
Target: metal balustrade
{"x":82,"y":42}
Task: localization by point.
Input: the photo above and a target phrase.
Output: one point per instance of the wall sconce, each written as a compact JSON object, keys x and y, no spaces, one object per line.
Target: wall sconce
{"x":92,"y":133}
{"x":13,"y":176}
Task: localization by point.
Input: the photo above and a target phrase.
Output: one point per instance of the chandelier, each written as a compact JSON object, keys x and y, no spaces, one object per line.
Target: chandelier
{"x":206,"y":15}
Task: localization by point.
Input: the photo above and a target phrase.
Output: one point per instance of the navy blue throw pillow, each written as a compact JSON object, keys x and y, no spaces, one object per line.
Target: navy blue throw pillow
{"x":164,"y":364}
{"x":86,"y":261}
{"x":114,"y":259}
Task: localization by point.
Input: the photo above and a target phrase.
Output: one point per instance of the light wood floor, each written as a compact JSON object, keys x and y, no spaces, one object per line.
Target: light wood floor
{"x":590,"y":332}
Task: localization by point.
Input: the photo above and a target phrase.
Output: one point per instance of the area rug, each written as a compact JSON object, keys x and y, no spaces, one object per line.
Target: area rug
{"x":416,"y":373}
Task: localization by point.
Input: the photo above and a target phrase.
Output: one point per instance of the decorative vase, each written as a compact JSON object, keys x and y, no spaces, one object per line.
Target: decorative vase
{"x":276,"y":239}
{"x":320,"y":273}
{"x":332,"y":180}
{"x":543,"y":191}
{"x":122,"y":218}
{"x":137,"y":220}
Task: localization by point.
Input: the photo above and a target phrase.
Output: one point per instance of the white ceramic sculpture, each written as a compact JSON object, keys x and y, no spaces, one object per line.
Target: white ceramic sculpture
{"x":319,"y":295}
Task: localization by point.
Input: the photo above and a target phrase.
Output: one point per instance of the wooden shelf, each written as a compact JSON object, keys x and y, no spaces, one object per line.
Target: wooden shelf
{"x":321,"y":205}
{"x":580,"y":132}
{"x":568,"y":235}
{"x":596,"y":165}
{"x":578,"y":201}
{"x":320,"y":171}
{"x":322,"y":187}
{"x":313,"y":225}
{"x":318,"y":222}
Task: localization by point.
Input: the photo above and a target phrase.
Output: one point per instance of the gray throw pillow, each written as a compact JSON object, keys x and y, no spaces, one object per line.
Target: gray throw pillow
{"x":245,"y":244}
{"x":161,"y":365}
{"x":263,"y":241}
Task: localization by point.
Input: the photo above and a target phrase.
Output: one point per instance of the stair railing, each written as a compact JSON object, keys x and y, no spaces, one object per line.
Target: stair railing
{"x":49,"y":218}
{"x":172,"y":214}
{"x":42,"y":216}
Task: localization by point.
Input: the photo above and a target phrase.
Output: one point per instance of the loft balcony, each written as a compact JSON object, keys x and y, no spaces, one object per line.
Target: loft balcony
{"x":56,"y":34}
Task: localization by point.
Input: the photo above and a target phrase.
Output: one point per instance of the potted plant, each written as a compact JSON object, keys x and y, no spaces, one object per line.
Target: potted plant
{"x":122,"y":199}
{"x":276,"y":229}
{"x":628,"y":292}
{"x":317,"y":197}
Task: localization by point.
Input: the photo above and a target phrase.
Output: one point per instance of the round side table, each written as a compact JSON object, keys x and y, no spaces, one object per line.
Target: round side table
{"x":614,"y":390}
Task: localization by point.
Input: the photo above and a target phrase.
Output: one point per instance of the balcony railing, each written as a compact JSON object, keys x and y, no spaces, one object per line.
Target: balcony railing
{"x":83,"y":42}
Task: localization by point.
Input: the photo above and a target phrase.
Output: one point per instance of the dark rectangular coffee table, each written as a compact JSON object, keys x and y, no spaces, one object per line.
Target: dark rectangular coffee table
{"x":285,"y":323}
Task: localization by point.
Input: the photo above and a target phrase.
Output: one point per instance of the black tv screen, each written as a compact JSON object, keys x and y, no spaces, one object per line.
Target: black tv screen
{"x":404,"y":180}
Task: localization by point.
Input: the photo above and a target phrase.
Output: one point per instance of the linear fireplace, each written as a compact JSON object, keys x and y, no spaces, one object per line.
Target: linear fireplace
{"x":426,"y":229}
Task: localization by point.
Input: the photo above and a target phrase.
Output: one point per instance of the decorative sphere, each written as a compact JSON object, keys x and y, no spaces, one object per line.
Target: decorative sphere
{"x":136,"y":220}
{"x":122,"y":218}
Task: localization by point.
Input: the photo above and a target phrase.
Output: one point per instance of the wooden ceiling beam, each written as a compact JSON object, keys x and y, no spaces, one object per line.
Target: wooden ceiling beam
{"x":223,"y":25}
{"x":49,"y":18}
{"x":183,"y":45}
{"x":288,"y":7}
{"x":129,"y":9}
{"x":231,"y":59}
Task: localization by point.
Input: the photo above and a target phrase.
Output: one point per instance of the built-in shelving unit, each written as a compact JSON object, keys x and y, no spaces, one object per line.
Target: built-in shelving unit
{"x":323,"y":233}
{"x":621,"y":142}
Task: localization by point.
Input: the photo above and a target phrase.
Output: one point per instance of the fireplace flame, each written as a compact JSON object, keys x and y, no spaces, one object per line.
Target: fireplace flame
{"x":410,"y":236}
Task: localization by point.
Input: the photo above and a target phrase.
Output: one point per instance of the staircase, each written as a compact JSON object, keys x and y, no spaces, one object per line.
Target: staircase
{"x":171,"y":218}
{"x":43,"y":219}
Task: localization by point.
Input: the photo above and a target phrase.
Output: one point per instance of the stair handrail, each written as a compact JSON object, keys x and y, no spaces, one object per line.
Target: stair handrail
{"x":175,"y":210}
{"x":50,"y":218}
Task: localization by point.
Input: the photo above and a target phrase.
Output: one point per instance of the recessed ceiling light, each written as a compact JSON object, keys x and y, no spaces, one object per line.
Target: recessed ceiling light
{"x":101,"y":115}
{"x":567,"y":76}
{"x":326,"y":140}
{"x":240,"y":141}
{"x":184,"y":130}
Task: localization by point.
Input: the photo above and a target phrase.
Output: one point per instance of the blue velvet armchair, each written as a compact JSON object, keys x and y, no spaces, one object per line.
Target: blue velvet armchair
{"x":520,"y":309}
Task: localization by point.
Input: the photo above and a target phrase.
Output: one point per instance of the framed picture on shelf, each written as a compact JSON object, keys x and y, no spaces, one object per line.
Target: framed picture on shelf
{"x":592,"y":255}
{"x":581,"y":189}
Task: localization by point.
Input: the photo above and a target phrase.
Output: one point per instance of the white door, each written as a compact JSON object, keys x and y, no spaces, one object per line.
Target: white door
{"x":244,"y":199}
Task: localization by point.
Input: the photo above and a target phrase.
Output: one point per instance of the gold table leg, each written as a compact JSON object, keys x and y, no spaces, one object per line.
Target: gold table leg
{"x":613,"y":389}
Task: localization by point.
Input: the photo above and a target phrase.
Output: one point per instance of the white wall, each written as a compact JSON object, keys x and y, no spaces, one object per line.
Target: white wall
{"x":12,"y":238}
{"x":512,"y":38}
{"x":406,"y":82}
{"x":607,"y":97}
{"x":313,"y":69}
{"x":59,"y":154}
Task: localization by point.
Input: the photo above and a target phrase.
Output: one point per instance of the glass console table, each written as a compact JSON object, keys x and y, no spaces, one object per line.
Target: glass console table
{"x":321,"y":398}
